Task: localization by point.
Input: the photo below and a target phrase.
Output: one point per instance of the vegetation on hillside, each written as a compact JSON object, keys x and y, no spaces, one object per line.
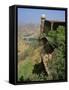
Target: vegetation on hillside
{"x":30,"y":67}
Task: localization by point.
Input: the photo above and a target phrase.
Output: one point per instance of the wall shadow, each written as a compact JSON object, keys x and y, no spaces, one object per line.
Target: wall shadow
{"x":39,"y":69}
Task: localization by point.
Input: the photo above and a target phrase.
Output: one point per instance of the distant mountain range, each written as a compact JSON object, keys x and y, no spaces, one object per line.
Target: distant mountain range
{"x":29,"y":30}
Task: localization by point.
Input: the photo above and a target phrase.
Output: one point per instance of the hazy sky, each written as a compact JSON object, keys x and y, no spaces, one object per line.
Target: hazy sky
{"x":33,"y":15}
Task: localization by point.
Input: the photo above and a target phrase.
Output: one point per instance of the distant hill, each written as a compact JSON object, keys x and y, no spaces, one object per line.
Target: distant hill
{"x":29,"y":30}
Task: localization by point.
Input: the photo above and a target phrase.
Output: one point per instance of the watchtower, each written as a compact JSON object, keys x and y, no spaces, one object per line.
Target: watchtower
{"x":42,"y":23}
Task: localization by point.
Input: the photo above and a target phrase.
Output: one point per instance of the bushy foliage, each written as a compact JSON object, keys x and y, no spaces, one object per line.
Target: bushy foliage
{"x":57,"y":65}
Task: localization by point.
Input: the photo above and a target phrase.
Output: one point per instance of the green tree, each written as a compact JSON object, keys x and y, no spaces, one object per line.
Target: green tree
{"x":57,"y":65}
